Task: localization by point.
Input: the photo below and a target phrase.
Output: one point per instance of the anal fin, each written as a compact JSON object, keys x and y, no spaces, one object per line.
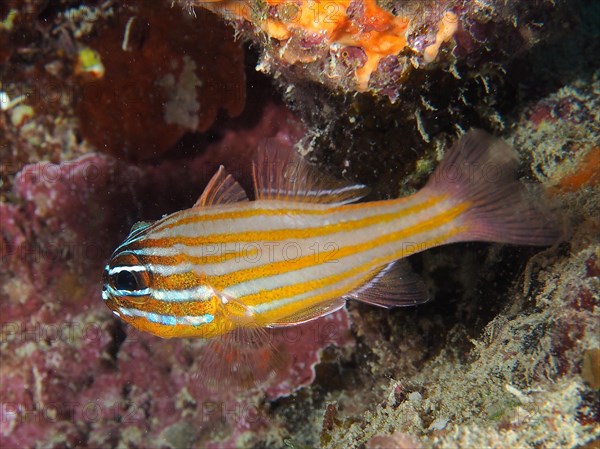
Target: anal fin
{"x":396,"y":285}
{"x":309,"y":314}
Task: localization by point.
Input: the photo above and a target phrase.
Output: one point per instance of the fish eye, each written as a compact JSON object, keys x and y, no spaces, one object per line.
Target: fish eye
{"x":127,"y":276}
{"x":126,"y":280}
{"x":133,"y":279}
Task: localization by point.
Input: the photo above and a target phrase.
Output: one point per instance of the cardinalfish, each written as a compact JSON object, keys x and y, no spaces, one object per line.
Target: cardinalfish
{"x":303,"y":247}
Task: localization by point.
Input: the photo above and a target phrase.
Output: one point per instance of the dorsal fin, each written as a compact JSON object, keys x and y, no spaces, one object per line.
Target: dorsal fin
{"x":394,"y":286}
{"x":221,"y":189}
{"x":282,"y":174}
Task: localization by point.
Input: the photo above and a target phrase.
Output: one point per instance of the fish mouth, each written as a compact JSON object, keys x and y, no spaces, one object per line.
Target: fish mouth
{"x":106,"y":295}
{"x":110,"y":299}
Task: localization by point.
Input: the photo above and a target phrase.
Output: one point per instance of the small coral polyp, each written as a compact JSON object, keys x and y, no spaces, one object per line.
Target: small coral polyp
{"x":342,"y":37}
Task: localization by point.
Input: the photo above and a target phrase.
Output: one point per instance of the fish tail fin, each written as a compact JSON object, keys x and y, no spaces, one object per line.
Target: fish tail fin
{"x":482,"y":171}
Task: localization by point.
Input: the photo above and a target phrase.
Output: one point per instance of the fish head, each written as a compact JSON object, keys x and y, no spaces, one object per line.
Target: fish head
{"x":138,"y":291}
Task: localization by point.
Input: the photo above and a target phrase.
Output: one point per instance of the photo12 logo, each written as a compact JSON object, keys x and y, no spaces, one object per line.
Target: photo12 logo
{"x":33,"y":252}
{"x":246,"y":411}
{"x":71,"y":332}
{"x":63,"y":173}
{"x":17,"y":413}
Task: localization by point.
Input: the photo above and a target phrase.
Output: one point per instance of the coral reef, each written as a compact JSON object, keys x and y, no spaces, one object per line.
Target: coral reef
{"x":506,"y":353}
{"x":359,"y":46}
{"x":347,"y":39}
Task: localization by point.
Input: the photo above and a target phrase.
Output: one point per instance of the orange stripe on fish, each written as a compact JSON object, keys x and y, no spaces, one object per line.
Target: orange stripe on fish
{"x":277,"y":234}
{"x":285,"y":266}
{"x":283,"y":302}
{"x":193,"y":216}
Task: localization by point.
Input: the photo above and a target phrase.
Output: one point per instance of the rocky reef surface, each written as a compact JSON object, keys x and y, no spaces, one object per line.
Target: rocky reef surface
{"x":114,"y":112}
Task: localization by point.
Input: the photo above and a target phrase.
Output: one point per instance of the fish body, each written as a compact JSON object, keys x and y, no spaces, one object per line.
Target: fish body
{"x":301,"y":249}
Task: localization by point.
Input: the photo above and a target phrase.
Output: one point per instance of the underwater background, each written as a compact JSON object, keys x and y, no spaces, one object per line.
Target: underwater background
{"x":115,"y":112}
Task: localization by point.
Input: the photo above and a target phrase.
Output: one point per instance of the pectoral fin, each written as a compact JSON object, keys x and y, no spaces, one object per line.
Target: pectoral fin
{"x":233,"y":362}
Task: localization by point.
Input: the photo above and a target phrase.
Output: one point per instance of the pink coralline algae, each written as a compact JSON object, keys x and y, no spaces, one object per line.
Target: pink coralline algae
{"x":71,"y":374}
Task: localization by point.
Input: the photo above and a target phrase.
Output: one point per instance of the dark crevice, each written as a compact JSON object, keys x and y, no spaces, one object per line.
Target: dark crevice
{"x":118,"y":334}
